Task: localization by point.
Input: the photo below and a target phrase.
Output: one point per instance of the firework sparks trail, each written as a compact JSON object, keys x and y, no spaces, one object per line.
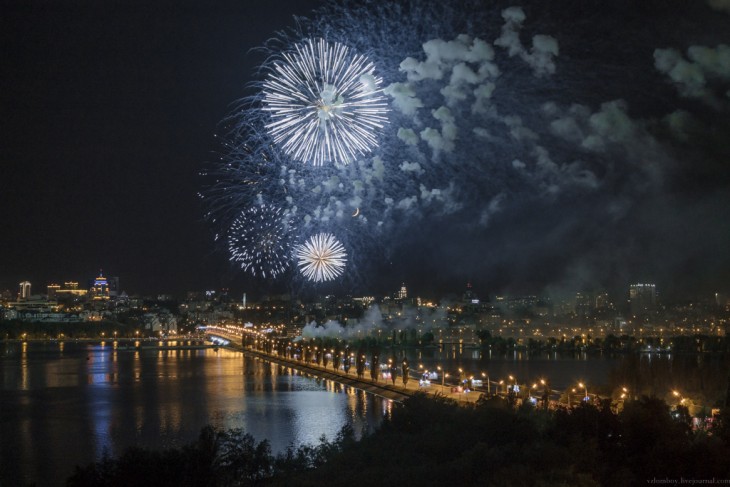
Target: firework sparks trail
{"x":321,"y":258}
{"x":429,"y":163}
{"x":259,"y":241}
{"x":325,"y":103}
{"x":487,"y":117}
{"x":241,"y":178}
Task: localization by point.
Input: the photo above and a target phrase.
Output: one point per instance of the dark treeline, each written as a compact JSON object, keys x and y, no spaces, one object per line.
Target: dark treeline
{"x":433,"y":441}
{"x":125,"y":325}
{"x":105,"y":329}
{"x":697,"y":343}
{"x":18,"y":330}
{"x":216,"y":458}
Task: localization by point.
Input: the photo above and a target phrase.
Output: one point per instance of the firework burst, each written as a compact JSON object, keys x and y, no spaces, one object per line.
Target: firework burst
{"x":325,"y":103}
{"x":259,"y":241}
{"x":321,"y":258}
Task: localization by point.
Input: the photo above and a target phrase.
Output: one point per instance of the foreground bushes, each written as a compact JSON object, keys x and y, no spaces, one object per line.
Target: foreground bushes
{"x":216,"y":458}
{"x":433,"y":441}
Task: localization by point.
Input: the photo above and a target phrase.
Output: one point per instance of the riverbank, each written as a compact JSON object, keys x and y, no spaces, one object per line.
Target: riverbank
{"x":127,"y":344}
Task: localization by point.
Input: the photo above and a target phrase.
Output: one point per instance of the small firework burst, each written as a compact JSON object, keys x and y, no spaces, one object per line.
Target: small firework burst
{"x":260,"y":240}
{"x":321,"y":258}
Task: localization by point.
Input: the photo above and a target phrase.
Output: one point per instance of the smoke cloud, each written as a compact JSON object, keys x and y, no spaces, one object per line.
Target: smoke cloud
{"x":520,"y":153}
{"x":372,"y":322}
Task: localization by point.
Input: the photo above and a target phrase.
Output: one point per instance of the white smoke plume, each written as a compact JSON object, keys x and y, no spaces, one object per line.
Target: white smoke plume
{"x":501,"y":138}
{"x":704,"y":74}
{"x":541,"y":57}
{"x":372,"y":321}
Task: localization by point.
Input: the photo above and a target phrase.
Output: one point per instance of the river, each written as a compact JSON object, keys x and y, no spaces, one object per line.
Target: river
{"x":63,"y":404}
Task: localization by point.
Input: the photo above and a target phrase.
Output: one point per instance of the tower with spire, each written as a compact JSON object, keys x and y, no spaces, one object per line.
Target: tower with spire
{"x":403,"y":292}
{"x":100,"y":289}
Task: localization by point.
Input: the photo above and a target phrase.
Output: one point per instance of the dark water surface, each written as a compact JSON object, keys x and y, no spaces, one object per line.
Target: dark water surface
{"x":64,"y":404}
{"x":562,"y":371}
{"x":703,"y":378}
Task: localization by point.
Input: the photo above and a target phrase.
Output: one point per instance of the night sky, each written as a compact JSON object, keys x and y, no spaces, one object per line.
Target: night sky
{"x":607,"y":162}
{"x":109,"y":112}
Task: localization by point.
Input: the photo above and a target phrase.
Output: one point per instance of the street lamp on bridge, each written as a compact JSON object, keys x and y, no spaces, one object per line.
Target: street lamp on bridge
{"x":585,"y":387}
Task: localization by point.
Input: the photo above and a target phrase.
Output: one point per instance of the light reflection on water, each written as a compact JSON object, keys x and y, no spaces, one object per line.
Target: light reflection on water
{"x":65,"y":404}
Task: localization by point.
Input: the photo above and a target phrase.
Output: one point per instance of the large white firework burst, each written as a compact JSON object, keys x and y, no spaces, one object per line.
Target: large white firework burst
{"x":325,"y":103}
{"x":260,"y":240}
{"x":321,"y":258}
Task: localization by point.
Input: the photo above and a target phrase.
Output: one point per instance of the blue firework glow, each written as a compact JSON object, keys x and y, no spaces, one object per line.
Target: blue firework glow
{"x":321,"y":258}
{"x":325,"y":103}
{"x":486,"y":120}
{"x":434,"y":159}
{"x":260,"y":239}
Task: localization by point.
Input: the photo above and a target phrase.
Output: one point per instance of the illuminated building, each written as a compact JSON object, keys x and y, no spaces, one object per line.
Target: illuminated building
{"x":364,"y":301}
{"x":100,"y":289}
{"x":53,"y":290}
{"x":642,"y":298}
{"x":24,"y":290}
{"x":70,"y":288}
{"x":403,"y":293}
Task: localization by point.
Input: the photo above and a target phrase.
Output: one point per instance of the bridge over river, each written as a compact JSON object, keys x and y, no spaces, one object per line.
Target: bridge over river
{"x":395,"y":392}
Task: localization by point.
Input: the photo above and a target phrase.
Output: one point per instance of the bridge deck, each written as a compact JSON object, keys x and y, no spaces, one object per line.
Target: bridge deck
{"x":380,"y":387}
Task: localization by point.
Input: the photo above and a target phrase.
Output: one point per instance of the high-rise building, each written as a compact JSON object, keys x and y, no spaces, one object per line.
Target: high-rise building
{"x":114,"y":290}
{"x":583,"y":304}
{"x":24,"y":290}
{"x":469,"y":297}
{"x":402,"y":293}
{"x":100,"y":289}
{"x":603,"y":300}
{"x":642,"y":298}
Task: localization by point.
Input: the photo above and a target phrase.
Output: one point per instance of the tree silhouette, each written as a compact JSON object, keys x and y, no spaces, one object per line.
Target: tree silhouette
{"x":375,"y":366}
{"x":405,"y":371}
{"x":360,"y":363}
{"x":393,"y":368}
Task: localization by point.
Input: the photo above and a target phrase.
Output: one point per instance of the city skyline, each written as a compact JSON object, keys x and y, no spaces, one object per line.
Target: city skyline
{"x":591,"y":181}
{"x":634,"y":299}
